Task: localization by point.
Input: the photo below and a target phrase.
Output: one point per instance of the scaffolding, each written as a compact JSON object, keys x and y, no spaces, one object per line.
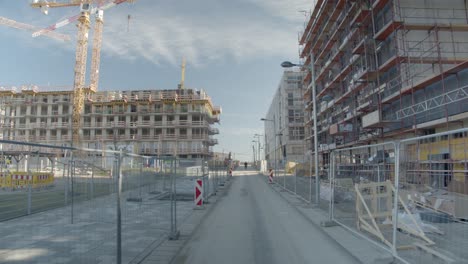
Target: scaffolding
{"x":379,"y":62}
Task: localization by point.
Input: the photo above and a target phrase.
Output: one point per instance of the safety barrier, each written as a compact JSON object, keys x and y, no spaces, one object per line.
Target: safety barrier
{"x":20,"y":180}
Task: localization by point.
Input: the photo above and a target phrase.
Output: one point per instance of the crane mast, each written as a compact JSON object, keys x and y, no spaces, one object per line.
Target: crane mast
{"x":79,"y":81}
{"x":96,"y":53}
{"x":182,"y":77}
{"x":80,"y":91}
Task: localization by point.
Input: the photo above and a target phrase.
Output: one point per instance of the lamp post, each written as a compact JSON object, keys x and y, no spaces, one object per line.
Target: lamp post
{"x":288,"y":64}
{"x":259,"y":145}
{"x":274,"y":131}
{"x":254,"y":152}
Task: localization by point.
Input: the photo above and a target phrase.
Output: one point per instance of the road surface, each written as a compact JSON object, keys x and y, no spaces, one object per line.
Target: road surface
{"x":254,"y":224}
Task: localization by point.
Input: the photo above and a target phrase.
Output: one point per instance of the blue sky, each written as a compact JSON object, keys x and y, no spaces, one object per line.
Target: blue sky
{"x":233,"y":51}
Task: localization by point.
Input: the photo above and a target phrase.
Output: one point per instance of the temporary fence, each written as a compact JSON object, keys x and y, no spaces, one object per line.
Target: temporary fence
{"x":409,"y":197}
{"x":297,"y":177}
{"x":88,"y":205}
{"x":218,"y":174}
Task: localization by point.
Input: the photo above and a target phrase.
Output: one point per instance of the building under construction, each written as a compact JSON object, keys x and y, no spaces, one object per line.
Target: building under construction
{"x":385,"y":69}
{"x":150,"y":122}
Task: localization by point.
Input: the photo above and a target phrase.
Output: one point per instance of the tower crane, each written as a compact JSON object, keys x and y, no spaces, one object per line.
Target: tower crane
{"x":79,"y":89}
{"x":15,"y":24}
{"x":181,"y":86}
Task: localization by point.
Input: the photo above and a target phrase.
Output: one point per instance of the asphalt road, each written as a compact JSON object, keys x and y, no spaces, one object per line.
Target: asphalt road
{"x":254,"y":224}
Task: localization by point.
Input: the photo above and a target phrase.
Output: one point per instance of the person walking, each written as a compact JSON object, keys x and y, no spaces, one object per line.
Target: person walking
{"x":270,"y":176}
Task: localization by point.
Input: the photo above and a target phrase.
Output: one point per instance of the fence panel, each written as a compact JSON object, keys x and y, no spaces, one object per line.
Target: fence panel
{"x":434,"y":184}
{"x":409,"y":197}
{"x":59,"y":206}
{"x":361,"y":194}
{"x":296,"y":177}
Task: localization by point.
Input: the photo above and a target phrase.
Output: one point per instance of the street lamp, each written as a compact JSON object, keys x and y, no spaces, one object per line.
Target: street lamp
{"x":254,"y":152}
{"x":288,"y":64}
{"x":259,"y":145}
{"x":274,"y":131}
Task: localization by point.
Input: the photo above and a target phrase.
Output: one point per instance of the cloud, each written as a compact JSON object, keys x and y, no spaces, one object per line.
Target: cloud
{"x":290,"y":10}
{"x":202,"y":31}
{"x":165,"y":36}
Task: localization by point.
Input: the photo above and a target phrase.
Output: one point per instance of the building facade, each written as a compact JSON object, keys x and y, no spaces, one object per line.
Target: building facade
{"x":287,"y":111}
{"x":151,"y":122}
{"x":384,"y":69}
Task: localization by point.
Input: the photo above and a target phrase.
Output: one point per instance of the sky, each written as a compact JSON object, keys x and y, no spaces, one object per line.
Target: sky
{"x":233,"y":50}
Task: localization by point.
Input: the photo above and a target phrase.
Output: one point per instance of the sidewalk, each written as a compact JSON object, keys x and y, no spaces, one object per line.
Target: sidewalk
{"x":165,"y":251}
{"x":361,"y":249}
{"x":50,"y":237}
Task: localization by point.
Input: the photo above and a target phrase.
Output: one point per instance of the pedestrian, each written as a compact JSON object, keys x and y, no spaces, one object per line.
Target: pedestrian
{"x":245,"y":165}
{"x":270,"y":175}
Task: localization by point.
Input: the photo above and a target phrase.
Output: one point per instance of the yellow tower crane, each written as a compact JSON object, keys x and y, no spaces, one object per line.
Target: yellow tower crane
{"x":182,"y":78}
{"x":79,"y":88}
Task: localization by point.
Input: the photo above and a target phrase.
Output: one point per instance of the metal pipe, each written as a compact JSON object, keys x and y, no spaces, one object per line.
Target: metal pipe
{"x":276,"y":146}
{"x":139,"y":179}
{"x":331,"y":172}
{"x":295,"y":179}
{"x":119,"y":216}
{"x":395,"y":201}
{"x":314,"y":109}
{"x":72,"y":172}
{"x":175,"y":197}
{"x":92,"y":182}
{"x":29,"y":193}
{"x":65,"y":180}
{"x":172,"y":199}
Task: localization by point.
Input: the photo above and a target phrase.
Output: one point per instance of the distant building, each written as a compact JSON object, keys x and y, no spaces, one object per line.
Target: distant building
{"x":287,"y":109}
{"x":220,"y":156}
{"x":149,"y":122}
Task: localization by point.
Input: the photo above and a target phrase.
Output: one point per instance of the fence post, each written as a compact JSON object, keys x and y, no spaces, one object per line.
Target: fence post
{"x":164,"y":174}
{"x":295,"y":179}
{"x":284,"y":177}
{"x":117,"y":161}
{"x":65,"y":181}
{"x":139,"y":178}
{"x":174,"y":233}
{"x":175,"y":198}
{"x":72,"y":172}
{"x":29,"y":192}
{"x":332,"y":185}
{"x":172,"y":203}
{"x":310,"y":178}
{"x":395,"y":202}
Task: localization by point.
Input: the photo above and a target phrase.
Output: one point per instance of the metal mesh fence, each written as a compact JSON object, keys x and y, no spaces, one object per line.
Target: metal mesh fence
{"x":298,"y":177}
{"x":90,"y":206}
{"x":409,"y":196}
{"x":433,"y":182}
{"x":362,"y":197}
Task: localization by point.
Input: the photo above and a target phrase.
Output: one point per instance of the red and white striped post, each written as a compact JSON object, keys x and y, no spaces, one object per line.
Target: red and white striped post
{"x":198,"y":194}
{"x":270,"y":176}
